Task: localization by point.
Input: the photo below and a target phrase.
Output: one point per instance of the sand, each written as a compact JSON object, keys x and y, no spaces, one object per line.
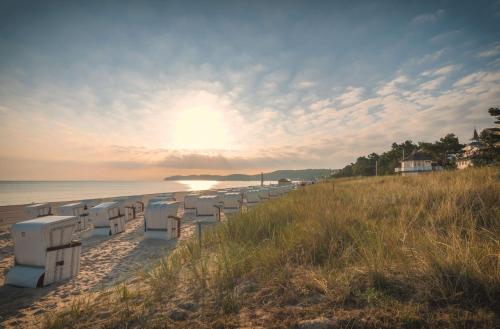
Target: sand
{"x":104,"y":262}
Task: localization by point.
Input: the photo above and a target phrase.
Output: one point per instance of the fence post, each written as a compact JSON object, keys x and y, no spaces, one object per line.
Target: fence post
{"x":199,"y":232}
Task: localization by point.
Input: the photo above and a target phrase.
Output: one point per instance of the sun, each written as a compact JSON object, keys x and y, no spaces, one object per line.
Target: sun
{"x":200,"y":128}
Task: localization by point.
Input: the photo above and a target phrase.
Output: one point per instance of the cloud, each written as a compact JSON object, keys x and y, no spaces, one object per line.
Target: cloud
{"x":392,"y":86}
{"x":432,"y":84}
{"x":445,"y":70}
{"x":476,"y":77}
{"x":428,"y":17}
{"x":351,"y":96}
{"x":429,"y":58}
{"x":445,"y":37}
{"x":495,"y":51}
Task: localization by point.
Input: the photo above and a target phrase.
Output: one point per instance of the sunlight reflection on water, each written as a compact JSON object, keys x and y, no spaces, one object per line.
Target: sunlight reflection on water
{"x":196,"y":185}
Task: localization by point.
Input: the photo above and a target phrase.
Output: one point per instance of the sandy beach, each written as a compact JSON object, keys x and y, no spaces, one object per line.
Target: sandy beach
{"x":105,"y":261}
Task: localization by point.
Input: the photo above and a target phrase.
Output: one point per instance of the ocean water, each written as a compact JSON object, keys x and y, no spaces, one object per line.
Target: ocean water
{"x":23,"y":192}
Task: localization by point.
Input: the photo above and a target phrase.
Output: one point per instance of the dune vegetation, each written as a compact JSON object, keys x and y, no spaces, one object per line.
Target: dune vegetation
{"x":381,"y":252}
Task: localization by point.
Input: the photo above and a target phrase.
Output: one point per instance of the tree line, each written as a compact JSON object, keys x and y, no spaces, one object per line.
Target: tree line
{"x":444,"y":152}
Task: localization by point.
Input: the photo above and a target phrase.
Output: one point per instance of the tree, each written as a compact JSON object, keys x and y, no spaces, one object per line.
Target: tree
{"x":491,"y":139}
{"x":441,"y":151}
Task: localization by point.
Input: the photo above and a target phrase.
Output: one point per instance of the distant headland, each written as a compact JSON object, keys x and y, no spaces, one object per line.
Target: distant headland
{"x":302,"y":174}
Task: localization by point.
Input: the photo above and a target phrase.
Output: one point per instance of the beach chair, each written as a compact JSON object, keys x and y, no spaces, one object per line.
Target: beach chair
{"x":274,"y":192}
{"x":127,"y":207}
{"x":137,"y":203}
{"x":263,"y":193}
{"x":107,"y":219}
{"x":168,"y":196}
{"x":38,"y":210}
{"x":220,"y":195}
{"x":190,"y":202}
{"x":252,"y":198}
{"x":161,"y":221}
{"x":44,"y":252}
{"x":78,"y":210}
{"x":208,"y":207}
{"x":232,"y":203}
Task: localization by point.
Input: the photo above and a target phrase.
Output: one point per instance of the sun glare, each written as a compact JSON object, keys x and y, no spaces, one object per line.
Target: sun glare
{"x":200,"y":128}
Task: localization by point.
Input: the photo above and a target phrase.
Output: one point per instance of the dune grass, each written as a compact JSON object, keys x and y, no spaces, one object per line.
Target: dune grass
{"x":405,"y":252}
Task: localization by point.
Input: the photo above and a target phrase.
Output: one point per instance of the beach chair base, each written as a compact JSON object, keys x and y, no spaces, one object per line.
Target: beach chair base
{"x":159,"y":235}
{"x":229,"y":211}
{"x":85,"y":234}
{"x":101,"y":231}
{"x":207,"y":219}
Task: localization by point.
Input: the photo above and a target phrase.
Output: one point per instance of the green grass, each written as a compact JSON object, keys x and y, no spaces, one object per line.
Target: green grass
{"x":375,"y":252}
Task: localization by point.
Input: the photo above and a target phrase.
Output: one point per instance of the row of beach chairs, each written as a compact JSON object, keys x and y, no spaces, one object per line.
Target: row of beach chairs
{"x":45,"y":250}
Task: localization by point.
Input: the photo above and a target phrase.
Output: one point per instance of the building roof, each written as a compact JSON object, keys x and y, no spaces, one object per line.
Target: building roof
{"x":475,"y":136}
{"x":475,"y":141}
{"x":417,"y":155}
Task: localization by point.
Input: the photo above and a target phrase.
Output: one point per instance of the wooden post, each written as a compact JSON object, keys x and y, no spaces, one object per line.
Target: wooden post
{"x":218,"y":208}
{"x":199,"y":232}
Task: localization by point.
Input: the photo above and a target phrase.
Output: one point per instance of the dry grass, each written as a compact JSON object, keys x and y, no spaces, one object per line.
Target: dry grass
{"x":403,"y":252}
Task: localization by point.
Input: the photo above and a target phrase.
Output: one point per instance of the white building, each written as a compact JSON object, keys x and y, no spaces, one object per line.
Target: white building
{"x":417,"y":163}
{"x":469,"y":152}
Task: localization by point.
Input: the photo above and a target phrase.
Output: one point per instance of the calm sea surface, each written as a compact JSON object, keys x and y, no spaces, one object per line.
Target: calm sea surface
{"x":22,"y":192}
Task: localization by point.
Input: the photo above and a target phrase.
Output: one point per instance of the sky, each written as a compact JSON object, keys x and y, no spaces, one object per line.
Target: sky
{"x":143,"y":90}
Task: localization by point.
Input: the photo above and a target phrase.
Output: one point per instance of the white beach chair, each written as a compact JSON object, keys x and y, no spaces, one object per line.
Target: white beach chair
{"x":274,"y":192}
{"x":161,"y":221}
{"x":208,"y":208}
{"x":232,"y":202}
{"x":44,"y":251}
{"x":137,"y":203}
{"x":78,"y":210}
{"x":38,"y":210}
{"x":107,"y":219}
{"x":263,"y":193}
{"x":127,"y":207}
{"x":252,"y":198}
{"x":190,"y":203}
{"x":220,"y":195}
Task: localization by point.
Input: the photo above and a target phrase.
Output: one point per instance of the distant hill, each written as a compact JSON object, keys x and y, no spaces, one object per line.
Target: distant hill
{"x":302,"y":174}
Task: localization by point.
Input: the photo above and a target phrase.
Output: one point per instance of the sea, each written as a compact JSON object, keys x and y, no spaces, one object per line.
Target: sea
{"x":24,"y":192}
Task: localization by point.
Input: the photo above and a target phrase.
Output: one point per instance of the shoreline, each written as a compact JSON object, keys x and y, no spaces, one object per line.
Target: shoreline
{"x":11,"y":214}
{"x":24,"y":193}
